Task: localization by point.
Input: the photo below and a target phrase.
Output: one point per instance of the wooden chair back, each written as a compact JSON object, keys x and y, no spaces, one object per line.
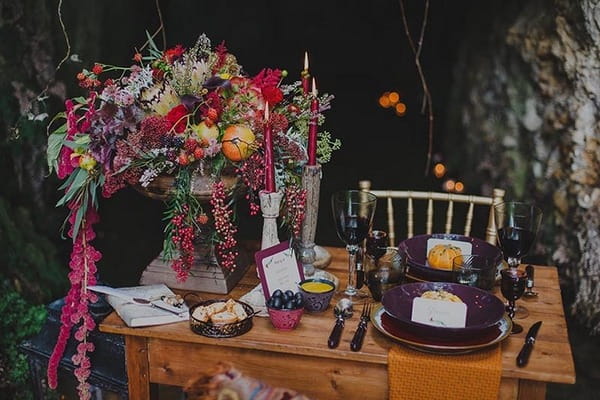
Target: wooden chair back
{"x":430,"y":197}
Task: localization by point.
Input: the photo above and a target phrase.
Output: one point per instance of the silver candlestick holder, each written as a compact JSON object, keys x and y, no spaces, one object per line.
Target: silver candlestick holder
{"x":269,"y":205}
{"x":311,"y":183}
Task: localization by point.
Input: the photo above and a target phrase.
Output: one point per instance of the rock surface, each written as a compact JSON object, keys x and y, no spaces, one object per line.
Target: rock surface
{"x":528,"y":115}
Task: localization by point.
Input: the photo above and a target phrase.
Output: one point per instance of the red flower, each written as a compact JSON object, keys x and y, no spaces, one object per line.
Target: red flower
{"x":137,"y":57}
{"x":178,"y":117}
{"x":174,"y":54}
{"x":158,"y":74}
{"x":272,"y":94}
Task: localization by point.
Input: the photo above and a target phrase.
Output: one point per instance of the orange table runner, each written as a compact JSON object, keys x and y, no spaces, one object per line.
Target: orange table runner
{"x":416,"y":375}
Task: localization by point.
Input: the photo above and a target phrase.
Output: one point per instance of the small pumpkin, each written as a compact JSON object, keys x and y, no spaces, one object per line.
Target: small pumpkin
{"x":441,"y":255}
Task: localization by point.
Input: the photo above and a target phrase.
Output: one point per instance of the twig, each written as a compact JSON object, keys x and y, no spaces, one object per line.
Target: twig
{"x":417,"y":52}
{"x":15,"y":128}
{"x":162,"y":26}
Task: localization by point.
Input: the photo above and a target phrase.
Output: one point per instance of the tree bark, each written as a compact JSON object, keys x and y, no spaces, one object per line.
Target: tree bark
{"x":528,"y":117}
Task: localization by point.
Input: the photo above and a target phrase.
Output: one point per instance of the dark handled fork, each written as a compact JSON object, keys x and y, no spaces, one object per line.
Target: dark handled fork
{"x":359,"y":335}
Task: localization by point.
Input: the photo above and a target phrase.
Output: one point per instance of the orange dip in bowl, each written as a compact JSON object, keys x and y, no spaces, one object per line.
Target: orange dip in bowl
{"x":316,"y":287}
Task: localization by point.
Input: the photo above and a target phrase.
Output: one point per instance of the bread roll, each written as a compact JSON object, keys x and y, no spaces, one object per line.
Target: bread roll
{"x":224,"y":317}
{"x":201,"y":314}
{"x":239,"y":311}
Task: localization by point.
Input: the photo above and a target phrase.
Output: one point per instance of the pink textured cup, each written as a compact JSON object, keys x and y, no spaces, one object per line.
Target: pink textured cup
{"x":285,"y":320}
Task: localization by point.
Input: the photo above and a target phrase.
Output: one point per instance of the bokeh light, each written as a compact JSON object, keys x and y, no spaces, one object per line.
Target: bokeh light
{"x":449,"y":185}
{"x":400,"y":109}
{"x":439,"y":170}
{"x":384,"y":102}
{"x":393,"y":97}
{"x":459,"y":187}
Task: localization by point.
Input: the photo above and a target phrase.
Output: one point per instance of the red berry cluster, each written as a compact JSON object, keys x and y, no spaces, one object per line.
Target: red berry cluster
{"x":89,"y":79}
{"x":295,"y":198}
{"x":183,"y":238}
{"x":192,"y":151}
{"x":226,"y":247}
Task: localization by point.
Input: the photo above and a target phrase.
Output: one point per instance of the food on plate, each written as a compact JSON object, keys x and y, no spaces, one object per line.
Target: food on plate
{"x":441,"y":255}
{"x":441,"y":295}
{"x":221,"y":312}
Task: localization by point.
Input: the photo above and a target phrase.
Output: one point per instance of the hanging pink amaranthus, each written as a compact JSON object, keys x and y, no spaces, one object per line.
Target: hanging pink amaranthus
{"x":75,"y":312}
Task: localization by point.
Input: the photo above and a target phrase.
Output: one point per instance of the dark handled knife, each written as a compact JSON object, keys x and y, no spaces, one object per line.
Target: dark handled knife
{"x":525,"y":352}
{"x":336,"y":333}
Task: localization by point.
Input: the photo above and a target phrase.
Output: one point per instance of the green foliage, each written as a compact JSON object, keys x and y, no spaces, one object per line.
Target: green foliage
{"x":29,"y":260}
{"x":18,"y":321}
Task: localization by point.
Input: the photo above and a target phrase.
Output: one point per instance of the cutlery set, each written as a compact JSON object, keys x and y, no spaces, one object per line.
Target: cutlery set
{"x":343,"y":310}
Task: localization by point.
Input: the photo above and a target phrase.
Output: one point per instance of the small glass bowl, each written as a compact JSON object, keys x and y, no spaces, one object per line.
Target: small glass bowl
{"x":317,"y":301}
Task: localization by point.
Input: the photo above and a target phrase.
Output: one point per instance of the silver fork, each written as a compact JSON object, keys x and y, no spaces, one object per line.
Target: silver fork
{"x":359,"y":335}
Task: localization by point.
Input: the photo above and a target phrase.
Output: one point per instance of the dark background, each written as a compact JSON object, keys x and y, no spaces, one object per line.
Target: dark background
{"x":357,"y":49}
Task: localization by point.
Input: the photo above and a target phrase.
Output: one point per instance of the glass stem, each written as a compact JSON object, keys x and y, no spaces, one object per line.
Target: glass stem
{"x":513,"y":262}
{"x":352,"y":251}
{"x":511,"y":309}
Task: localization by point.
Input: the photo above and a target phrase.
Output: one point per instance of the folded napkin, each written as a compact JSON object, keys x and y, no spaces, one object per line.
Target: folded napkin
{"x":416,"y":375}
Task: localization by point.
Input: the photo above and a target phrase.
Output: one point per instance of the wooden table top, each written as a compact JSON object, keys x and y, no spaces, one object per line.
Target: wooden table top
{"x":551,"y":359}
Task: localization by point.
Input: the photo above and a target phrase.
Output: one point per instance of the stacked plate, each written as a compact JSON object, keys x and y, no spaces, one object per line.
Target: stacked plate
{"x":415,"y":251}
{"x":486,"y":322}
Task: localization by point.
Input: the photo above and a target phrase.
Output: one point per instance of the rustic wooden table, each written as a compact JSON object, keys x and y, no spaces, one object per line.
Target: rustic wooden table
{"x":300,"y":359}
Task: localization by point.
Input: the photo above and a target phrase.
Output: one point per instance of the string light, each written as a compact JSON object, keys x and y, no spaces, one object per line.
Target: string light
{"x":449,"y":185}
{"x":459,"y":187}
{"x":439,"y":170}
{"x":384,"y":102}
{"x":392,"y":99}
{"x":400,"y":109}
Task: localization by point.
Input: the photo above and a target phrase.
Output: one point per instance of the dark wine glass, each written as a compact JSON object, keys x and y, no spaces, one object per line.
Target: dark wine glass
{"x":353,"y":212}
{"x":513,"y":285}
{"x":377,"y":244}
{"x":517,"y":224}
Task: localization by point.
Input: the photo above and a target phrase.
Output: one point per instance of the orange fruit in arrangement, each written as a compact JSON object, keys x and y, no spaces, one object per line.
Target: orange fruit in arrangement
{"x":441,"y":255}
{"x":237,"y":142}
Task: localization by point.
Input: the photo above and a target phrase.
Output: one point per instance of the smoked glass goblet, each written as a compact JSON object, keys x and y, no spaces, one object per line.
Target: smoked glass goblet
{"x":512,"y":286}
{"x":353,"y":212}
{"x":517,"y":224}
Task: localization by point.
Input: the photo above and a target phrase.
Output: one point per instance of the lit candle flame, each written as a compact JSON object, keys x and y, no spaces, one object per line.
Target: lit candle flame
{"x":306,"y":60}
{"x":314,"y":87}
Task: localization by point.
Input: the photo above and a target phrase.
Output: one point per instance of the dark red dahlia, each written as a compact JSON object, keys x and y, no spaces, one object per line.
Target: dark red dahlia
{"x":177,"y":117}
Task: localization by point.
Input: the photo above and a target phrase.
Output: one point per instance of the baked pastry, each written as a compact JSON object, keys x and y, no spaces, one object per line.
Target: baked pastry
{"x":201,"y":314}
{"x":224,"y":317}
{"x":441,"y":295}
{"x":221,"y":312}
{"x":441,"y":255}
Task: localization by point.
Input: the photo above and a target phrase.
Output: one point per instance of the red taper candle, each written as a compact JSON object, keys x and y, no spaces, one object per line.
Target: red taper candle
{"x":312,"y":126}
{"x":269,"y":166}
{"x":305,"y":75}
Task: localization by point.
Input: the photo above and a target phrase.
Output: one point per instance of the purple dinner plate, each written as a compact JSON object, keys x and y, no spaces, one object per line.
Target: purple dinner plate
{"x":484,"y":310}
{"x":388,"y":326}
{"x":415,"y":250}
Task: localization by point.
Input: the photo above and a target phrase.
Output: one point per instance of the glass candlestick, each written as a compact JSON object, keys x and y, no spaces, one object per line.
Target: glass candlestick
{"x":311,"y":183}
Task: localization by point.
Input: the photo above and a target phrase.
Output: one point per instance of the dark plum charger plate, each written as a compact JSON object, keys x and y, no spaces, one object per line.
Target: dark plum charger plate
{"x":484,"y":310}
{"x":415,"y":250}
{"x":388,"y":326}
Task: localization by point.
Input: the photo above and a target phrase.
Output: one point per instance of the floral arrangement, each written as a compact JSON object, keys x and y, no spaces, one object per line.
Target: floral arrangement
{"x":181,"y":113}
